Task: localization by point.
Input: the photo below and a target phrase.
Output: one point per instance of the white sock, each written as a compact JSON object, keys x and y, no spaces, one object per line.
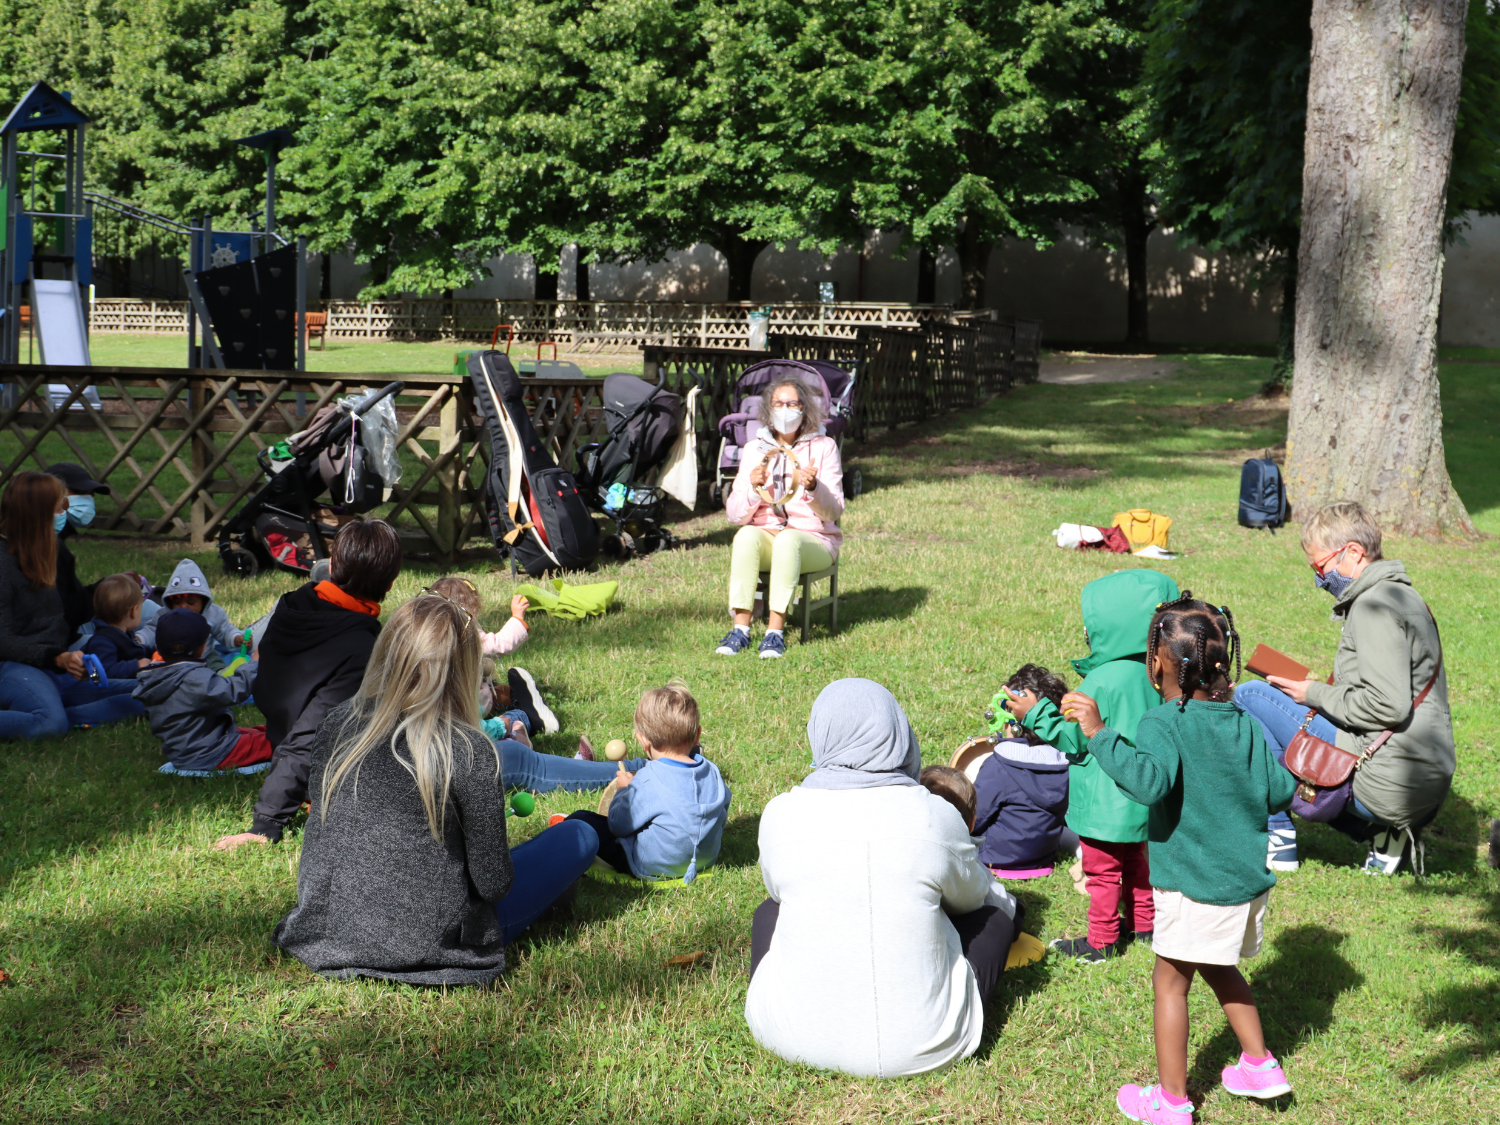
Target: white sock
{"x":773,"y":632}
{"x":743,"y":629}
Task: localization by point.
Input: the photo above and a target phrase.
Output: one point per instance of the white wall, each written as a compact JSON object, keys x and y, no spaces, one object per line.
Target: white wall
{"x":1471,"y":287}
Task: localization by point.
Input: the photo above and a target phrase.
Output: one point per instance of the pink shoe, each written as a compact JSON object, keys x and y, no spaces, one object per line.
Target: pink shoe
{"x":1267,"y":1080}
{"x":1146,"y":1104}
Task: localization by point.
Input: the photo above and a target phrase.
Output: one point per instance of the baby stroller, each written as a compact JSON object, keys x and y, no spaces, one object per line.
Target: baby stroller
{"x":348,"y":451}
{"x":832,"y":384}
{"x":617,"y":476}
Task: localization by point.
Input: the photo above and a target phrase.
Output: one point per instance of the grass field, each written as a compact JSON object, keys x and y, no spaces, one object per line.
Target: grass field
{"x":143,"y":987}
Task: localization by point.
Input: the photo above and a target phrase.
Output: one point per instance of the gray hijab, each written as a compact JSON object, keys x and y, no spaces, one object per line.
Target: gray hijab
{"x":860,"y":738}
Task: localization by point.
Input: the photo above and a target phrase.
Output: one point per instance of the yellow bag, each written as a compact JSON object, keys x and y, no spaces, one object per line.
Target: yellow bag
{"x":1143,"y":528}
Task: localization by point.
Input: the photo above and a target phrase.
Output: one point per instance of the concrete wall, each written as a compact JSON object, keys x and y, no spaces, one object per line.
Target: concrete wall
{"x":1471,"y":287}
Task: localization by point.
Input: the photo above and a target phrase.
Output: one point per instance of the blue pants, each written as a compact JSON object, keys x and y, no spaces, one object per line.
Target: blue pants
{"x":40,"y":704}
{"x":524,"y":768}
{"x":1279,"y":716}
{"x":546,"y":865}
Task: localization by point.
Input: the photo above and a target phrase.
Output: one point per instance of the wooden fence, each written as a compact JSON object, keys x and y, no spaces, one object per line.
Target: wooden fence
{"x":178,"y":447}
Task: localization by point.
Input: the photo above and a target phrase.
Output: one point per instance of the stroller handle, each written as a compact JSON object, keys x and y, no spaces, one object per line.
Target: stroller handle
{"x":384,"y":392}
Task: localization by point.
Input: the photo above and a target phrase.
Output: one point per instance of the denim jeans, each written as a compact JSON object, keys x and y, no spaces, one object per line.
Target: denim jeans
{"x":524,"y":768}
{"x":545,"y":866}
{"x":39,"y":704}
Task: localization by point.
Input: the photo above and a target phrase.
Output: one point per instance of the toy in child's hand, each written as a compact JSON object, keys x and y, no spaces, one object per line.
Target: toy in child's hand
{"x":521,"y":804}
{"x":93,"y":670}
{"x":1079,"y":708}
{"x":242,"y":655}
{"x":615,"y":749}
{"x":999,"y":716}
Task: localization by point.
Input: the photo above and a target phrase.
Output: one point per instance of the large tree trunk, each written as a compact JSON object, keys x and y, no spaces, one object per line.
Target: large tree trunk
{"x":740,"y":253}
{"x":1137,"y":229}
{"x":1366,"y":420}
{"x":546,"y":283}
{"x":580,"y":276}
{"x":926,"y":278}
{"x":973,"y":264}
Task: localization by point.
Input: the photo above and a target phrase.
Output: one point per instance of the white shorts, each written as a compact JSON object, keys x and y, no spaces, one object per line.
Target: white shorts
{"x":1201,"y":934}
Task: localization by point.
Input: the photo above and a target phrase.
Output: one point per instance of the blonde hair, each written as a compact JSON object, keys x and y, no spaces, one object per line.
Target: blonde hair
{"x":1343,"y":521}
{"x":116,"y":596}
{"x":420,"y":688}
{"x":460,"y":591}
{"x":667,"y":717}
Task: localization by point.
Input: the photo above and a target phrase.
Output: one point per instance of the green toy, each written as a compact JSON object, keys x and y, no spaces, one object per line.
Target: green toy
{"x":521,"y":804}
{"x":1001,"y":722}
{"x":241,"y":657}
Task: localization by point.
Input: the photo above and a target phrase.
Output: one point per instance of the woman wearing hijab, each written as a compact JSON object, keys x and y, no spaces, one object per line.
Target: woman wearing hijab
{"x":882,"y":935}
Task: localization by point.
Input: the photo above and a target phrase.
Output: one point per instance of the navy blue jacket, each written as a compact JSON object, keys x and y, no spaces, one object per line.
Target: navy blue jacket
{"x":1023,"y":796}
{"x":117,"y":650}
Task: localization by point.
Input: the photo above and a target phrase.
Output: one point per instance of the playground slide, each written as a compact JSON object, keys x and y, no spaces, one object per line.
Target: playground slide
{"x":62,"y":333}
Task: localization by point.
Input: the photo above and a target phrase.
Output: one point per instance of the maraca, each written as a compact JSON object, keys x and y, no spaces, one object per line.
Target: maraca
{"x":521,"y":804}
{"x":615,"y":749}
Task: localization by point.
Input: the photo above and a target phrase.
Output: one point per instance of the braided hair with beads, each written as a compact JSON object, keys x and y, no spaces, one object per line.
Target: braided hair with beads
{"x":1200,"y":641}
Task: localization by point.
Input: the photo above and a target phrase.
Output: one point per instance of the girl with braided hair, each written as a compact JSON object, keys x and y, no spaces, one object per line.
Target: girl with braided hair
{"x":1202,"y":767}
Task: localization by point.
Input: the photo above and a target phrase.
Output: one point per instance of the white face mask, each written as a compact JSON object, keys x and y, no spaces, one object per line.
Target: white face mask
{"x":785,"y":418}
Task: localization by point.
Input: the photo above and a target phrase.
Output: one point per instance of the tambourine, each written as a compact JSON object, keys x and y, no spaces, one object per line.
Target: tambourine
{"x":971,"y":754}
{"x":791,"y":455}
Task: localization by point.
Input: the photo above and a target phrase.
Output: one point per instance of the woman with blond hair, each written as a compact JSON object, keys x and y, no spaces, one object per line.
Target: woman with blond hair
{"x":405,"y":871}
{"x":793,"y":461}
{"x":44,"y":689}
{"x":1388,"y":676}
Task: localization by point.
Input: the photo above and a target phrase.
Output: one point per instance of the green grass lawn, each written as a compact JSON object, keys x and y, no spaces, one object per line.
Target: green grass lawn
{"x":143,"y":987}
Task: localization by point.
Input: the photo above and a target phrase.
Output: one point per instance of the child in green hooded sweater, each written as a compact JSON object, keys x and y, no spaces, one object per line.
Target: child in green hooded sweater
{"x":1203,"y":767}
{"x":1117,"y":613}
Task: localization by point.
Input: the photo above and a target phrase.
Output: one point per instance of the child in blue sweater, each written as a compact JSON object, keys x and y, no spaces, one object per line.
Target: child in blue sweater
{"x":667,"y":819}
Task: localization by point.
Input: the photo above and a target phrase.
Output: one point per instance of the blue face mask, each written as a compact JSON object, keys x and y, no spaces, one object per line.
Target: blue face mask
{"x":80,"y":510}
{"x":59,"y":521}
{"x":1334,"y":582}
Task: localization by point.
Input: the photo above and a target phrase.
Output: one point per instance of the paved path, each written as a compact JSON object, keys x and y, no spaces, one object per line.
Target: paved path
{"x":1083,"y":367}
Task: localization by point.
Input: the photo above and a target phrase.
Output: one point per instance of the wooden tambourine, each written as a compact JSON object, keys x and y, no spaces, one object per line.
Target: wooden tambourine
{"x":971,"y":754}
{"x":791,"y":455}
{"x":606,"y":797}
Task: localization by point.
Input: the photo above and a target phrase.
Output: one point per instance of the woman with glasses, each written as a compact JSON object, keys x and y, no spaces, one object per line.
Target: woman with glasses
{"x":787,"y":498}
{"x":1388,"y":653}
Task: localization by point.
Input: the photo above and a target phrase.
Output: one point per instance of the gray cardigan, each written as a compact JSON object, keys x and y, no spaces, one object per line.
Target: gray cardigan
{"x":377,"y":896}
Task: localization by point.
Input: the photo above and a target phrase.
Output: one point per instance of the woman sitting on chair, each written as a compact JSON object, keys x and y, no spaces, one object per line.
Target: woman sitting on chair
{"x":787,"y":497}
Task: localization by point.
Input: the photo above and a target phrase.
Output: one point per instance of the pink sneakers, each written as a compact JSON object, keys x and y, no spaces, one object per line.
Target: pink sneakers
{"x":1146,"y":1104}
{"x":1266,"y":1080}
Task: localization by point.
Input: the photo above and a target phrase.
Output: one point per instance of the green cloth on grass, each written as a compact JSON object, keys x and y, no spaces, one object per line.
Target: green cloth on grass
{"x":1117,"y":612}
{"x":558,"y":599}
{"x":1210,"y":782}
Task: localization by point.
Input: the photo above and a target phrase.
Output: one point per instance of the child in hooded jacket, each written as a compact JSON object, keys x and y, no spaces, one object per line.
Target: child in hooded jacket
{"x":188,"y":589}
{"x":188,"y":703}
{"x":1117,"y":613}
{"x":1022,"y":792}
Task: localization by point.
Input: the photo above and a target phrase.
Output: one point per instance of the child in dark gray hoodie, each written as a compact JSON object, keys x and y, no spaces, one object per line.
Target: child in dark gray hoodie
{"x":188,"y":703}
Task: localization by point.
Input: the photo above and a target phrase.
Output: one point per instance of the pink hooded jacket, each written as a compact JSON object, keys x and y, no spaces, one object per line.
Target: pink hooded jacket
{"x":816,"y":513}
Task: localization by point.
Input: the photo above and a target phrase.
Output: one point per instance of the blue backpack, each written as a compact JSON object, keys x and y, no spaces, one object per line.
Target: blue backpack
{"x":1262,"y":495}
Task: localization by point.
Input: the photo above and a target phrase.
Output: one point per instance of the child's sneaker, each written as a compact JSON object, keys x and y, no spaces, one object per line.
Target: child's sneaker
{"x":1080,"y":949}
{"x":1147,"y":1104}
{"x":585,"y":749}
{"x":772,"y":646}
{"x":1281,"y":849}
{"x":526,"y":696}
{"x":1263,"y":1080}
{"x":735,"y":641}
{"x":1145,"y":937}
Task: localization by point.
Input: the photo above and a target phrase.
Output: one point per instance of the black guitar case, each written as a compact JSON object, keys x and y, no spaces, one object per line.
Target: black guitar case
{"x":536,"y":515}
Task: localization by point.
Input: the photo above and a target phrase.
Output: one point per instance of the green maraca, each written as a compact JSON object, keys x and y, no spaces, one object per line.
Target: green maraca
{"x":521,"y":804}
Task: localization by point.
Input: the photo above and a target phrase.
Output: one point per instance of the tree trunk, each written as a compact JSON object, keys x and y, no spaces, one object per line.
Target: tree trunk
{"x":926,"y":278}
{"x":1137,"y":229}
{"x":973,"y":262}
{"x":546,"y":283}
{"x":580,"y":276}
{"x":1366,"y":420}
{"x":740,"y":253}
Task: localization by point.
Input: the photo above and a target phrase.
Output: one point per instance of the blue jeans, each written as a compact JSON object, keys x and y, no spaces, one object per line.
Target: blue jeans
{"x":41,"y":704}
{"x":546,"y":865}
{"x":524,"y":768}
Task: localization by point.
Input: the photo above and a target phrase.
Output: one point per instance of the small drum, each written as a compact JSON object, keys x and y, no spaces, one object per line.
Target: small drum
{"x":971,"y":754}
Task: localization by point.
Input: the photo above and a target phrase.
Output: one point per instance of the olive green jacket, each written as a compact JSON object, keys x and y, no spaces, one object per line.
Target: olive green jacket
{"x":1387,"y":653}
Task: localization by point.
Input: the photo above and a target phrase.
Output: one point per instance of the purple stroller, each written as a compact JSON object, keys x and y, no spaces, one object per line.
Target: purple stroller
{"x":832,"y":384}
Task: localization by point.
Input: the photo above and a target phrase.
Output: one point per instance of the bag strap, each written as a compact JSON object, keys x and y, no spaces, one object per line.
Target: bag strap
{"x":1385,"y":736}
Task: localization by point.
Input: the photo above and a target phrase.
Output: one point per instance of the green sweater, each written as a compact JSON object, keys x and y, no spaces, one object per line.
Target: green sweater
{"x":1210,"y":782}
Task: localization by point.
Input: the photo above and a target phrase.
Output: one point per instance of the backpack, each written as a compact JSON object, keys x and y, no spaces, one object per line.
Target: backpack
{"x":1263,"y":495}
{"x":536,"y":514}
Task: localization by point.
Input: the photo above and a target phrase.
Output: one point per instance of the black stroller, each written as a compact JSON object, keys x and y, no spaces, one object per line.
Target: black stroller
{"x":616,"y":476}
{"x":282,"y":525}
{"x":736,"y":430}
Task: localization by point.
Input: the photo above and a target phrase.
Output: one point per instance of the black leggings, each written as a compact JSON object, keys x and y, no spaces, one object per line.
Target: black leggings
{"x":610,"y":849}
{"x":985,"y":935}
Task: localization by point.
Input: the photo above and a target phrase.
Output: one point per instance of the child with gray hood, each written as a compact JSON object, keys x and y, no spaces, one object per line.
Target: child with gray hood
{"x":188,"y":703}
{"x":188,"y":589}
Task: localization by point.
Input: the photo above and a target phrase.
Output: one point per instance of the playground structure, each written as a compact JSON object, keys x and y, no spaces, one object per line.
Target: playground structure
{"x":256,"y":303}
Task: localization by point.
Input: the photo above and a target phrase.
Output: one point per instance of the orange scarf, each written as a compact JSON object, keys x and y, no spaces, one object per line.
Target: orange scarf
{"x":331,"y":593}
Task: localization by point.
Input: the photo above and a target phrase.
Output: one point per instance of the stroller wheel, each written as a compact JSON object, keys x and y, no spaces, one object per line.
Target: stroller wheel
{"x":240,"y":563}
{"x":668,"y":540}
{"x":856,"y":483}
{"x":716,"y":494}
{"x":620,"y":546}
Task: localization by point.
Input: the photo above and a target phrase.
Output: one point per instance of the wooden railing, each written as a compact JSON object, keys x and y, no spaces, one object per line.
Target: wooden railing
{"x":178,"y":447}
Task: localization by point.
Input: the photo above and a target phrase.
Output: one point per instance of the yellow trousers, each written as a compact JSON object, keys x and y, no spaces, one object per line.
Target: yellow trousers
{"x":786,"y":554}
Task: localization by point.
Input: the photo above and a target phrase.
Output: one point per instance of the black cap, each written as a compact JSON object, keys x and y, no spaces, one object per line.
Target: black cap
{"x":76,"y":477}
{"x":180,"y":632}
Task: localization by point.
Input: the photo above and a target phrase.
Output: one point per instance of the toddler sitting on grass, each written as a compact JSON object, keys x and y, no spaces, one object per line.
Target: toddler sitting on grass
{"x":117,"y":616}
{"x":188,"y":589}
{"x":667,"y":819}
{"x":1023,"y":791}
{"x":188,"y":703}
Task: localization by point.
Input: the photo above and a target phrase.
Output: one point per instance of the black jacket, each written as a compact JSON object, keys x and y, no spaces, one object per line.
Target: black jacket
{"x":377,"y":896}
{"x":116,"y":650}
{"x":77,"y":599}
{"x":312,"y":658}
{"x":32,"y":628}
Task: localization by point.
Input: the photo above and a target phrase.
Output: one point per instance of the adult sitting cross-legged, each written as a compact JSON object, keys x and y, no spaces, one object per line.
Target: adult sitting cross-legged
{"x":312,"y":658}
{"x":44,"y":689}
{"x":405,"y":873}
{"x":883,"y":934}
{"x":788,"y":495}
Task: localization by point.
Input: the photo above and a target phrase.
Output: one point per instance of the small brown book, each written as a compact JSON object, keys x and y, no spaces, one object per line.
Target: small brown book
{"x":1266,"y":661}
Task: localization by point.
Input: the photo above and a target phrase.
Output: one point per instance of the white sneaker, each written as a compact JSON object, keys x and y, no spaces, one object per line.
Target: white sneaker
{"x":1281,"y":850}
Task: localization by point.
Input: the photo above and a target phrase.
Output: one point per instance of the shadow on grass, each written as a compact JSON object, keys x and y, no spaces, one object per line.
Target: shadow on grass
{"x":1449,"y":840}
{"x":1469,"y":1008}
{"x":1296,"y":989}
{"x":871,"y":603}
